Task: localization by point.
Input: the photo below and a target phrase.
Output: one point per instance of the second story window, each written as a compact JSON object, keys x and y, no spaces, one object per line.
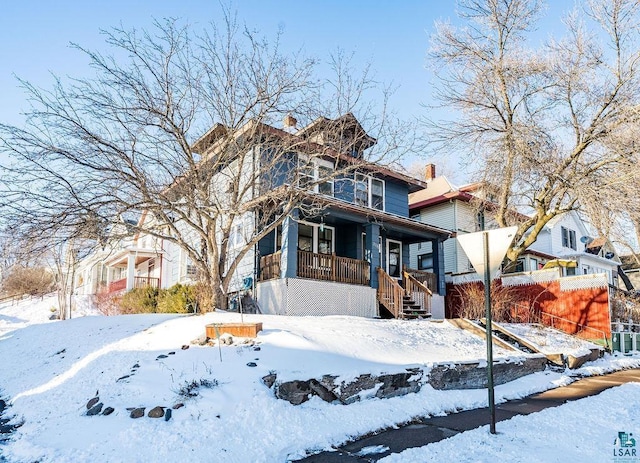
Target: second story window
{"x":316,"y":175}
{"x":325,"y":174}
{"x":369,"y":192}
{"x":568,"y":238}
{"x":306,"y":174}
{"x":480,"y":220}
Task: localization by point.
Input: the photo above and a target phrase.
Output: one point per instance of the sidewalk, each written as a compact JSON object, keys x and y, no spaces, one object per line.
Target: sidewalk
{"x":437,"y":428}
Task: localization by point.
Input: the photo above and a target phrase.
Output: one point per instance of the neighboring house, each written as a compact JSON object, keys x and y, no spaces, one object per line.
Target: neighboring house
{"x":444,"y":205}
{"x":136,"y":261}
{"x":631,"y":268}
{"x":349,"y":259}
{"x":566,"y":238}
{"x":564,"y":241}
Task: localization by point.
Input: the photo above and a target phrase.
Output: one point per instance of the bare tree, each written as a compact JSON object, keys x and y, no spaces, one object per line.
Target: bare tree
{"x":539,"y":122}
{"x":128,"y":143}
{"x":613,"y":205}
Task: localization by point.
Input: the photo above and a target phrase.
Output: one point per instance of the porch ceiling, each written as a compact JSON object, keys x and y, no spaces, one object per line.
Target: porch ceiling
{"x":141,"y":255}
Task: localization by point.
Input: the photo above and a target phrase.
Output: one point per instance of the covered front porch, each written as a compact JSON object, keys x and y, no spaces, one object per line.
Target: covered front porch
{"x":342,"y":263}
{"x":133,"y":268}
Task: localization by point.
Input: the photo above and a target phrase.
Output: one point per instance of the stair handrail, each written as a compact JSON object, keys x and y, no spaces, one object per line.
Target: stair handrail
{"x":411,"y":281}
{"x":12,"y":298}
{"x":581,"y":326}
{"x":390,"y":293}
{"x":413,"y":287}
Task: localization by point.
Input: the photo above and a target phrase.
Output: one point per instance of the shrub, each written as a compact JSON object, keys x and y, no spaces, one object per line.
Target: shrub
{"x":140,"y":300}
{"x":471,"y":297}
{"x":107,"y":303}
{"x":177,"y":299}
{"x":34,"y":281}
{"x":190,"y":389}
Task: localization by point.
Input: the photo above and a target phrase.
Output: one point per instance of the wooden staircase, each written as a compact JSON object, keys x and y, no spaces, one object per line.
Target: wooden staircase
{"x":413,"y":301}
{"x":411,"y":310}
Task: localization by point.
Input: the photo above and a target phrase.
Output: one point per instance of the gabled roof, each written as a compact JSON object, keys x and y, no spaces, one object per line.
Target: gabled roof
{"x":441,"y":190}
{"x":345,"y":123}
{"x":209,"y":138}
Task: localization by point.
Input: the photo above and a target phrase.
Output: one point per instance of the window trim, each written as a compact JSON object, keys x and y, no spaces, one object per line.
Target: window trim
{"x":388,"y":240}
{"x":568,"y":237}
{"x":307,"y":162}
{"x":315,"y":238}
{"x":368,"y":181}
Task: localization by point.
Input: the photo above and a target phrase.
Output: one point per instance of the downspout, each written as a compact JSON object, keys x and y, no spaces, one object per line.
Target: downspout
{"x":455,"y":228}
{"x":256,"y":250}
{"x":161,"y":267}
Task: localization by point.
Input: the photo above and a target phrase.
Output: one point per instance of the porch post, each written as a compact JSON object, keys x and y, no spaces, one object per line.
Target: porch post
{"x":131,"y":270}
{"x":437,"y":249}
{"x":289,"y":256}
{"x":372,"y":251}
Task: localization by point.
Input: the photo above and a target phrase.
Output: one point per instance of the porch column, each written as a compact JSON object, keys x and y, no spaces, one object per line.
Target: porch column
{"x":372,"y":251}
{"x":437,"y":249}
{"x":131,"y":270}
{"x":289,"y":255}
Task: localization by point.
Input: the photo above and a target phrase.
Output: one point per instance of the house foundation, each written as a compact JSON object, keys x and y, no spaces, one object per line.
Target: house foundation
{"x":303,"y":297}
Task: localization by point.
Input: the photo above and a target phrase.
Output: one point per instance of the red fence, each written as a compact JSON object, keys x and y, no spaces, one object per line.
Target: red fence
{"x":572,"y":310}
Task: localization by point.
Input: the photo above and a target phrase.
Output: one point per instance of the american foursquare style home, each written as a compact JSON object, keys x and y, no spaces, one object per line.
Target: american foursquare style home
{"x":350,"y":257}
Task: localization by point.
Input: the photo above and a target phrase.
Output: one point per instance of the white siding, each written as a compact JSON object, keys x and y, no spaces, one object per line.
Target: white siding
{"x":440,"y":215}
{"x":443,"y":216}
{"x":543,"y":242}
{"x":465,"y":218}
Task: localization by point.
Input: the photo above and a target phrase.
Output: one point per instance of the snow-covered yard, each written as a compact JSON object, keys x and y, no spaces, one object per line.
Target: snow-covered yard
{"x":50,"y":370}
{"x":582,"y":431}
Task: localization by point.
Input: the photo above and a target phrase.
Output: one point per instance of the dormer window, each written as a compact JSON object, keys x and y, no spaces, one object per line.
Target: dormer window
{"x":369,"y":192}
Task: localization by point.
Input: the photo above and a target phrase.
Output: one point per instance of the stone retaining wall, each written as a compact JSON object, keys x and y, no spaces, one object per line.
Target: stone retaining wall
{"x":472,"y":375}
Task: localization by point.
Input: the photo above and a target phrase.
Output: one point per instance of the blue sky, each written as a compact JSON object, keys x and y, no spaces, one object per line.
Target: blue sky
{"x":393,"y":36}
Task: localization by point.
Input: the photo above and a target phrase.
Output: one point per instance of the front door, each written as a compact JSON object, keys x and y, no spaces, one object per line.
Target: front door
{"x":394,"y":258}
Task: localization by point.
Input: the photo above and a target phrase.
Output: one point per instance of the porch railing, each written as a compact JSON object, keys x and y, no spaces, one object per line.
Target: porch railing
{"x":118,"y":285}
{"x":579,"y":330}
{"x":138,"y":282}
{"x":417,"y":291}
{"x":143,"y":282}
{"x":390,"y":293}
{"x":329,"y":267}
{"x":270,"y":266}
{"x":426,"y":278}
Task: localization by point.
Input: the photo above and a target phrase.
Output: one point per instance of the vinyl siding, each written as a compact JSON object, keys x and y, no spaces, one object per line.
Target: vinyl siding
{"x":396,"y":198}
{"x":441,"y":215}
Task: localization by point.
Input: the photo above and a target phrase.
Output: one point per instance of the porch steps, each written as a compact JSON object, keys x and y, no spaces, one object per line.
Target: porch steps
{"x":411,"y":310}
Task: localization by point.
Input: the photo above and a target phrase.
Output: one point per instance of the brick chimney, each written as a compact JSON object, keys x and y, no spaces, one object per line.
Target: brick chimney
{"x":430,"y":172}
{"x":289,"y":123}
